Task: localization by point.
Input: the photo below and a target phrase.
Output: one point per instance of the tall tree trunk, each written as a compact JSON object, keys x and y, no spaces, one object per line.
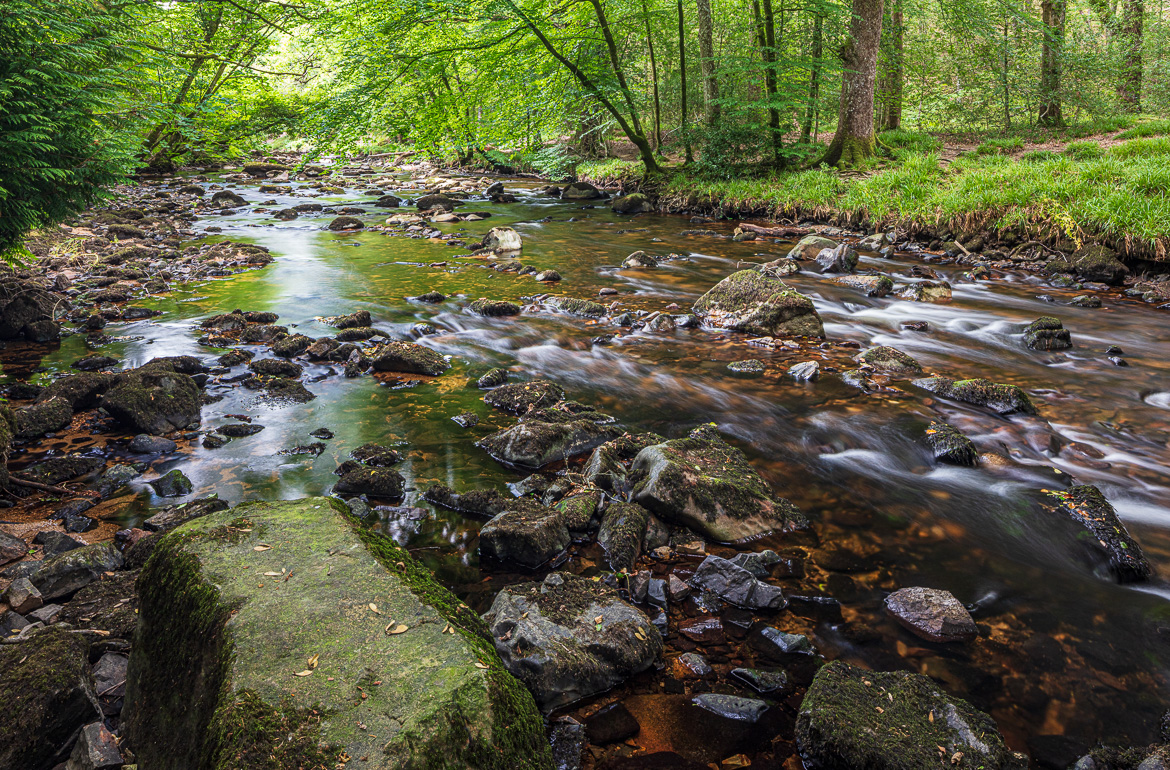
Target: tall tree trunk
{"x":707,"y":62}
{"x":1005,"y":72}
{"x":893,"y":71}
{"x":1051,"y":52}
{"x":653,"y":78}
{"x":814,"y":79}
{"x":766,"y":39}
{"x":682,"y":65}
{"x":1131,"y":69}
{"x":855,"y":140}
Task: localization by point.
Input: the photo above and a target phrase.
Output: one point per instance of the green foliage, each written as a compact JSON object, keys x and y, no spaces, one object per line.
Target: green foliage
{"x":1105,"y":124}
{"x":63,"y":132}
{"x":1039,"y":156}
{"x":1141,"y":148}
{"x":556,"y":161}
{"x":1084,"y":150}
{"x":910,"y":141}
{"x":1146,"y":129}
{"x":1002,"y":146}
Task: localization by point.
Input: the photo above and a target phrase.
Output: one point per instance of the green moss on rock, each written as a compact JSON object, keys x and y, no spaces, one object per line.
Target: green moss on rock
{"x":749,"y":301}
{"x":1004,"y":399}
{"x":409,"y":358}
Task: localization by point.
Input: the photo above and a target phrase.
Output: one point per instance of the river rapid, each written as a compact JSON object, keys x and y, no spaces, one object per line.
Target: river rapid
{"x":1065,"y":657}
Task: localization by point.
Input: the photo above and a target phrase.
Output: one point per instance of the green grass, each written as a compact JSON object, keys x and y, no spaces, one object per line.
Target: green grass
{"x":1147,"y":129}
{"x":1039,"y":156}
{"x":1141,"y":148}
{"x":610,"y":171}
{"x":1002,"y":146}
{"x":1083,"y":150}
{"x":1105,"y":125}
{"x":901,"y":139}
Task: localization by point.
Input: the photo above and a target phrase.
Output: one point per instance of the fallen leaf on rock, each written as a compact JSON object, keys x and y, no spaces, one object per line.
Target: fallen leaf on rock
{"x":395,"y":629}
{"x":481,"y":664}
{"x":374,"y":608}
{"x":262,"y":547}
{"x":302,"y":673}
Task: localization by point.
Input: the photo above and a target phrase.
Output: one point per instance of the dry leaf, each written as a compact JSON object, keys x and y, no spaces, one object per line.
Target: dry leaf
{"x":598,"y":619}
{"x":302,"y":673}
{"x":271,"y":574}
{"x":374,"y":608}
{"x":313,"y":660}
{"x":481,"y":664}
{"x":395,"y":628}
{"x":262,"y":547}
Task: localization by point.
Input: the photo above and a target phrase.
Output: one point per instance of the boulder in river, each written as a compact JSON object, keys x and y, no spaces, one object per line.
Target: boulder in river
{"x":503,"y":239}
{"x":810,"y":246}
{"x":525,"y":532}
{"x":46,"y":696}
{"x":1086,"y":505}
{"x":42,"y":417}
{"x":737,"y":585}
{"x":580,"y":191}
{"x":950,"y":445}
{"x":550,"y":434}
{"x":639,"y":259}
{"x":574,"y":306}
{"x":569,"y":637}
{"x":493,"y":308}
{"x":521,"y":397}
{"x":608,"y":466}
{"x":154,"y":399}
{"x":854,"y":718}
{"x":172,"y":484}
{"x":926,"y":291}
{"x":345,"y":223}
{"x":931,"y":613}
{"x":227,"y":199}
{"x":780,"y":268}
{"x":840,"y":259}
{"x":437,"y":201}
{"x":1047,"y":333}
{"x":704,"y":483}
{"x":749,"y":301}
{"x":1004,"y":399}
{"x":239,"y":668}
{"x":871,"y":285}
{"x":634,"y":203}
{"x":889,"y":360}
{"x":409,"y":358}
{"x":623,"y":525}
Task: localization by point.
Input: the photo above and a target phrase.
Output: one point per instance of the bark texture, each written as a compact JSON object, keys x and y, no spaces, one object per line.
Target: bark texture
{"x":1051,"y":51}
{"x":855,"y":140}
{"x":707,"y":62}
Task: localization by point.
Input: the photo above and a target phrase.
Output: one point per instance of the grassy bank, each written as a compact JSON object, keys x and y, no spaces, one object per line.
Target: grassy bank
{"x":1112,"y":191}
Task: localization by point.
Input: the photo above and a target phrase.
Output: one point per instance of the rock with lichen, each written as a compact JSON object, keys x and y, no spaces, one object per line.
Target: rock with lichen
{"x":549,"y":434}
{"x":749,"y":301}
{"x":950,"y":445}
{"x":1004,"y":399}
{"x":1047,"y":333}
{"x":1086,"y":506}
{"x":410,"y":358}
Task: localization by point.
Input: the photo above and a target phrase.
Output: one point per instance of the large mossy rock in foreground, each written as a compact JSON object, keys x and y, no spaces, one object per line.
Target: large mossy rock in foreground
{"x":749,"y":301}
{"x":873,"y":720}
{"x":277,"y":635}
{"x":704,"y":483}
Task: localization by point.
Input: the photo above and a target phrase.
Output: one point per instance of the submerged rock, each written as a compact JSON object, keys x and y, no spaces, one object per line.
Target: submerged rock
{"x":569,"y":637}
{"x":410,"y":358}
{"x":1004,"y":399}
{"x":295,"y":650}
{"x":1086,"y":505}
{"x":749,"y":301}
{"x":1047,"y":333}
{"x":853,"y":718}
{"x":749,"y":366}
{"x":704,"y":483}
{"x":932,"y":614}
{"x":949,"y":445}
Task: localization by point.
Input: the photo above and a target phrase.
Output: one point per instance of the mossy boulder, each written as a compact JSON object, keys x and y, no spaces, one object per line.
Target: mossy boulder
{"x":1085,"y":505}
{"x":1047,"y":333}
{"x":384,"y":483}
{"x":609,"y":465}
{"x":549,"y":434}
{"x":1004,"y":399}
{"x":949,"y":445}
{"x":345,"y":223}
{"x":580,"y":191}
{"x":154,"y":399}
{"x":870,"y":285}
{"x":749,"y":301}
{"x":23,"y":303}
{"x":926,"y":291}
{"x":525,"y":532}
{"x":409,"y":358}
{"x":704,"y":483}
{"x":82,"y":391}
{"x":623,"y":526}
{"x":809,"y":246}
{"x":874,"y":720}
{"x":261,"y":170}
{"x":575,"y":306}
{"x":889,"y":360}
{"x":46,"y":696}
{"x":634,"y":203}
{"x":227,"y":199}
{"x":214,"y":670}
{"x":44,"y":417}
{"x":1092,"y":263}
{"x":520,"y":397}
{"x":494,"y":308}
{"x":569,"y":637}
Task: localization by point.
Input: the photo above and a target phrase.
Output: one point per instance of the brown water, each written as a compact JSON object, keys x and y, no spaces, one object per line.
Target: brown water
{"x":1063,"y":651}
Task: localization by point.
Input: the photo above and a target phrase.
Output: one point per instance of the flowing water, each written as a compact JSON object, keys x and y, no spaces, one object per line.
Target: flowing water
{"x":1063,"y":651}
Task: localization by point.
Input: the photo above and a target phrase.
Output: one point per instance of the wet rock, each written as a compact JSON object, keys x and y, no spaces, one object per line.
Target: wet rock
{"x":431,"y":297}
{"x":23,"y":304}
{"x":172,"y":484}
{"x":214,"y":441}
{"x":346,"y":223}
{"x":437,"y":201}
{"x":279,"y":390}
{"x":22,"y":596}
{"x":580,"y":307}
{"x":1003,"y":399}
{"x":806,"y":371}
{"x":851,"y":717}
{"x":949,"y":445}
{"x":292,"y":345}
{"x":1092,"y":263}
{"x":611,"y":724}
{"x":634,"y":203}
{"x":787,"y":644}
{"x":622,"y":528}
{"x":759,"y":564}
{"x":550,"y":434}
{"x":275,"y":367}
{"x":522,"y":397}
{"x":385,"y":483}
{"x":94,"y":363}
{"x":466,"y":420}
{"x":926,"y":291}
{"x":502,"y":239}
{"x":639,"y":259}
{"x":1084,"y":300}
{"x":494,"y":308}
{"x":548,"y":276}
{"x":780,"y":268}
{"x":286,"y":215}
{"x":388,"y":202}
{"x":889,"y":360}
{"x":71,"y":571}
{"x":931,"y":613}
{"x":81,"y":391}
{"x":774,"y":683}
{"x":608,"y":466}
{"x":239,"y":430}
{"x":492,"y":379}
{"x":322,"y":349}
{"x":731,"y":706}
{"x":750,"y":302}
{"x":436,"y":689}
{"x":524,"y":532}
{"x":840,"y":259}
{"x":235,"y":358}
{"x":115,"y":478}
{"x":1085,"y":505}
{"x":580,"y":191}
{"x":568,"y":741}
{"x":227,"y":199}
{"x":96,"y":749}
{"x":569,"y":638}
{"x":48,"y":697}
{"x":736,"y":585}
{"x":357,"y":320}
{"x":174,"y":515}
{"x":704,"y":483}
{"x":154,"y":400}
{"x":750,"y":366}
{"x":54,"y":470}
{"x":53,"y":543}
{"x":410,"y":358}
{"x":47,"y":416}
{"x":151,"y":445}
{"x":810,"y":246}
{"x":1047,"y":333}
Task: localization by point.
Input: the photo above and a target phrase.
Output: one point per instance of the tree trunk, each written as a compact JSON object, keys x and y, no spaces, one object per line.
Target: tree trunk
{"x":654,"y":79}
{"x":1131,"y":70}
{"x":814,"y":79}
{"x":855,"y":140}
{"x":682,"y":64}
{"x":893,"y":71}
{"x":707,"y":62}
{"x":1051,"y":52}
{"x":766,"y":38}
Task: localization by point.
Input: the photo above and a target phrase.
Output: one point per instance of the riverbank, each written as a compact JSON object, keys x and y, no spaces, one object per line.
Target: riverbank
{"x":1108,"y":190}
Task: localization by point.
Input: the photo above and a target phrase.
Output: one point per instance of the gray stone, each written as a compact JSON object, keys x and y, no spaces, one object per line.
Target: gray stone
{"x":146,"y":444}
{"x":933,"y":614}
{"x":172,"y":484}
{"x":731,"y":706}
{"x":639,"y":259}
{"x":809,"y":246}
{"x":734,"y":584}
{"x":806,"y":371}
{"x":174,"y":515}
{"x":622,"y":528}
{"x":22,"y":596}
{"x":840,"y":259}
{"x":71,"y":571}
{"x":11,"y":548}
